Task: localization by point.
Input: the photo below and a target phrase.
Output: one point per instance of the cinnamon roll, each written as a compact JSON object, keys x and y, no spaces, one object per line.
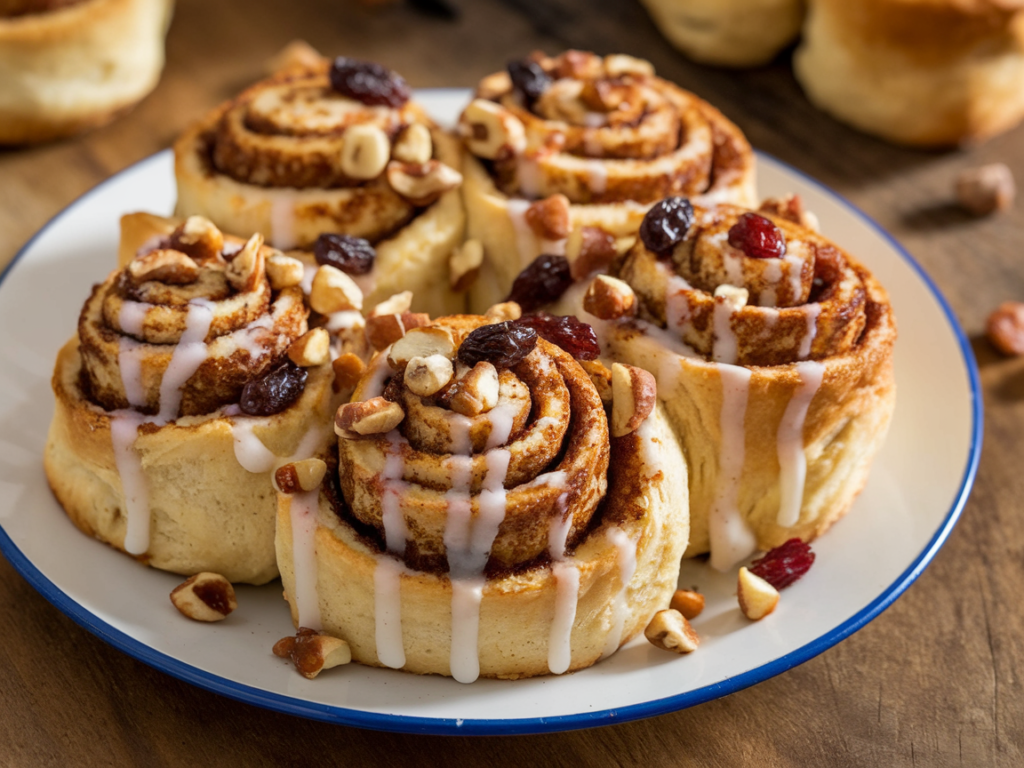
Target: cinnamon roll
{"x":772,"y":348}
{"x":566,"y":154}
{"x":934,"y":73}
{"x":731,"y":33}
{"x":191,"y":377}
{"x":333,"y":147}
{"x":69,"y":65}
{"x":484,"y":519}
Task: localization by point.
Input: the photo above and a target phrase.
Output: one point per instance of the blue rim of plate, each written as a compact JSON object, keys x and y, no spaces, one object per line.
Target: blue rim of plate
{"x":451,"y":726}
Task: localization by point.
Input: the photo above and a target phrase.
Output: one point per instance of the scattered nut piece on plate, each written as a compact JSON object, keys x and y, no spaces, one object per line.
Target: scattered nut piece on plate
{"x":670,"y":631}
{"x":986,"y":189}
{"x":205,"y":597}
{"x":312,"y":653}
{"x":1005,"y":328}
{"x":688,"y":603}
{"x":756,"y":596}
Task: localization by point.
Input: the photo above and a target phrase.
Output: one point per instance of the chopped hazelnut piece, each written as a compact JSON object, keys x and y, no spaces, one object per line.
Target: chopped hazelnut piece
{"x":205,"y":597}
{"x":312,"y":652}
{"x":987,"y":189}
{"x":670,"y":631}
{"x":688,"y":603}
{"x":634,"y":394}
{"x":372,"y":417}
{"x":1005,"y":328}
{"x":305,"y":475}
{"x":756,"y":596}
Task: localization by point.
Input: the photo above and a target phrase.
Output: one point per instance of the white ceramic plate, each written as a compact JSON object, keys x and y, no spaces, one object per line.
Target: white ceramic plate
{"x":917,"y":489}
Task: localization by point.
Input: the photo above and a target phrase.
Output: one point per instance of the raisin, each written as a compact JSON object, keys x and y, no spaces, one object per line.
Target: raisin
{"x":368,"y":82}
{"x":501,"y":344}
{"x":574,"y":336}
{"x":529,"y":79}
{"x":757,"y":237}
{"x":351,"y":255}
{"x":274,"y":391}
{"x":785,"y":564}
{"x":545,"y":279}
{"x":666,"y":224}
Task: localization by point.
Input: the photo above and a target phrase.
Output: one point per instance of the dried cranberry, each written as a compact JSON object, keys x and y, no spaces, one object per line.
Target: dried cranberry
{"x":501,"y":344}
{"x":666,"y":224}
{"x":574,"y":336}
{"x":545,"y":279}
{"x":757,"y":237}
{"x":352,"y":255}
{"x":274,"y":391}
{"x":784,"y":564}
{"x":368,"y":82}
{"x":529,"y":79}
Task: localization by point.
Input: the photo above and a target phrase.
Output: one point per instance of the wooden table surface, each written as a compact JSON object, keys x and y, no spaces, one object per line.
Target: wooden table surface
{"x":937,"y":679}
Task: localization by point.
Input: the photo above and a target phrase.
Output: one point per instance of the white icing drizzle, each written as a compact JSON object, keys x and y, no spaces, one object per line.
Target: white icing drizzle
{"x":124,"y":430}
{"x":395,"y":531}
{"x":129,"y":361}
{"x":303,"y":519}
{"x":597,"y":176}
{"x":250,"y":452}
{"x":567,"y":592}
{"x":725,"y":347}
{"x":502,"y":418}
{"x":526,"y":241}
{"x":132,"y":317}
{"x":282,"y":221}
{"x":731,"y":538}
{"x":627,"y":567}
{"x":343,"y":321}
{"x":248,"y":338}
{"x":467,"y":542}
{"x":387,"y":610}
{"x":188,"y":355}
{"x":811,"y":313}
{"x":465,"y":654}
{"x":567,"y":589}
{"x":792,"y":461}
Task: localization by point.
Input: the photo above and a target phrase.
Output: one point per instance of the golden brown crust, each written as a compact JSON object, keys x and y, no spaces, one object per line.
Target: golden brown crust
{"x":920,"y":72}
{"x":644,"y":513}
{"x":750,"y":412}
{"x":207,"y":512}
{"x":78,"y":66}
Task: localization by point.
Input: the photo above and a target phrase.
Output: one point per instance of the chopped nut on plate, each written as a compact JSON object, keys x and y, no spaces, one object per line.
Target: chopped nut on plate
{"x":205,"y":597}
{"x":312,"y":652}
{"x":670,"y":631}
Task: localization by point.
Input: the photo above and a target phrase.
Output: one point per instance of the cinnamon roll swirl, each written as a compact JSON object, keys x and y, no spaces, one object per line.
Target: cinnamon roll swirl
{"x":190,"y":378}
{"x":308,"y":152}
{"x":485,"y":520}
{"x":569,"y":152}
{"x":772,"y":348}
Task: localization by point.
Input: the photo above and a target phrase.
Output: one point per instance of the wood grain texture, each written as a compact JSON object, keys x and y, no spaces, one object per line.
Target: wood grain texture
{"x":937,"y":680}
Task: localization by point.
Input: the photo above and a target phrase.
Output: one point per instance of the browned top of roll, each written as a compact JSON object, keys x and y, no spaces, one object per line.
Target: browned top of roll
{"x":196,"y":306}
{"x":533,"y":466}
{"x":12,"y":8}
{"x":809,"y":304}
{"x":606,"y":130}
{"x":926,"y":30}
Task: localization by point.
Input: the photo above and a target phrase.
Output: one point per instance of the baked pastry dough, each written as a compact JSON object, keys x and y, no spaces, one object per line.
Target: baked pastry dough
{"x":514,"y":543}
{"x":583,"y":158}
{"x":921,"y":72}
{"x":295,"y":158}
{"x":731,"y":33}
{"x":150,"y":449}
{"x":775,"y":372}
{"x":68,"y":66}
